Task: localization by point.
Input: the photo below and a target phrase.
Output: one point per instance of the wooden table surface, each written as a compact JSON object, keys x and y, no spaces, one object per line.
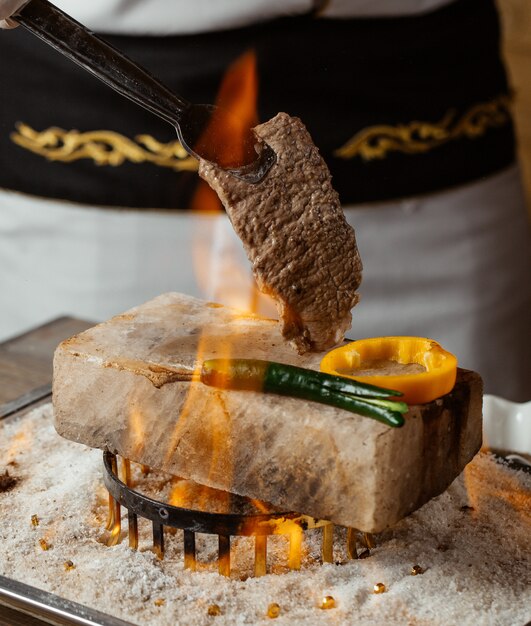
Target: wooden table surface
{"x":26,"y":363}
{"x":10,"y":617}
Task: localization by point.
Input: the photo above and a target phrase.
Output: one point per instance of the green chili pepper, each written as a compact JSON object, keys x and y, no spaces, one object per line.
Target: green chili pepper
{"x":297,"y":382}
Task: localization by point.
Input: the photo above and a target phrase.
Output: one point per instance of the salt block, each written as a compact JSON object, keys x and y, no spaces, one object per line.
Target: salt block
{"x":126,"y":386}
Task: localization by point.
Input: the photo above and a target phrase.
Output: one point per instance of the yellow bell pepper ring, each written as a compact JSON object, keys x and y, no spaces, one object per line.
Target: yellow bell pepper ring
{"x":425,"y":371}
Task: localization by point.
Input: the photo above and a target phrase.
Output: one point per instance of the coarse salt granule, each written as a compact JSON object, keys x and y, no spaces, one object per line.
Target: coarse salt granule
{"x":469,"y":548}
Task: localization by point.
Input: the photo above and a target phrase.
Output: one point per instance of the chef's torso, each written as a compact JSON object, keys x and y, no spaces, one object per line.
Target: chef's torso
{"x":404,"y":98}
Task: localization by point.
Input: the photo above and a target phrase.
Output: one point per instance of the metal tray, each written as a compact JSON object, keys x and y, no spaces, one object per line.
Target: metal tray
{"x":50,"y":608}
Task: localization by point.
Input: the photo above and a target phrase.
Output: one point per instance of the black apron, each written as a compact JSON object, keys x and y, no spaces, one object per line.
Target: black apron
{"x":397,"y":106}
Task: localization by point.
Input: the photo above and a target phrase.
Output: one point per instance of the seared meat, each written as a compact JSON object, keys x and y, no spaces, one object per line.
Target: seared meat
{"x":303,"y":252}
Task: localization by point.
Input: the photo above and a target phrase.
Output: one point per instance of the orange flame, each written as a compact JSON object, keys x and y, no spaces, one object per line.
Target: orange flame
{"x":191,"y":495}
{"x":137,"y":428}
{"x":238,"y":95}
{"x":179,"y":495}
{"x":228,"y":137}
{"x":222,"y":273}
{"x":213,"y":434}
{"x":222,"y":277}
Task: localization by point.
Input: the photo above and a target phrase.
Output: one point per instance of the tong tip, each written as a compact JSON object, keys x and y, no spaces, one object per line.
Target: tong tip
{"x":256,"y":171}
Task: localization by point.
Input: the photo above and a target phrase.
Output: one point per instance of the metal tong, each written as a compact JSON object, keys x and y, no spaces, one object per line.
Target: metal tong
{"x":95,"y":55}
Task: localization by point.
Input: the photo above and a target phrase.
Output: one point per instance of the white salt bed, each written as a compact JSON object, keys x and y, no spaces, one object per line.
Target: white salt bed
{"x":472,"y":542}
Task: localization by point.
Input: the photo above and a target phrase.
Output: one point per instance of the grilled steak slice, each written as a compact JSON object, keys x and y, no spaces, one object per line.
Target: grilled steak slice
{"x":303,"y":252}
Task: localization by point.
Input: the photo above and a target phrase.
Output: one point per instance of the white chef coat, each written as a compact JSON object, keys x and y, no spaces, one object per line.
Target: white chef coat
{"x":179,"y":17}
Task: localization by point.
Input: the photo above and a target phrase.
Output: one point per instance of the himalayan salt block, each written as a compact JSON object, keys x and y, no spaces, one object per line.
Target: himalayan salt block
{"x":126,"y":386}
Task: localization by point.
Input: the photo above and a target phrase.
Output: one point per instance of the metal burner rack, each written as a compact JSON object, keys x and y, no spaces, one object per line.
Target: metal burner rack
{"x":224,"y":525}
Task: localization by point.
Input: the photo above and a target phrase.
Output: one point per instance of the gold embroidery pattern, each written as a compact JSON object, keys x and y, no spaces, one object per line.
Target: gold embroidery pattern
{"x":104,"y":147}
{"x":376,"y":142}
